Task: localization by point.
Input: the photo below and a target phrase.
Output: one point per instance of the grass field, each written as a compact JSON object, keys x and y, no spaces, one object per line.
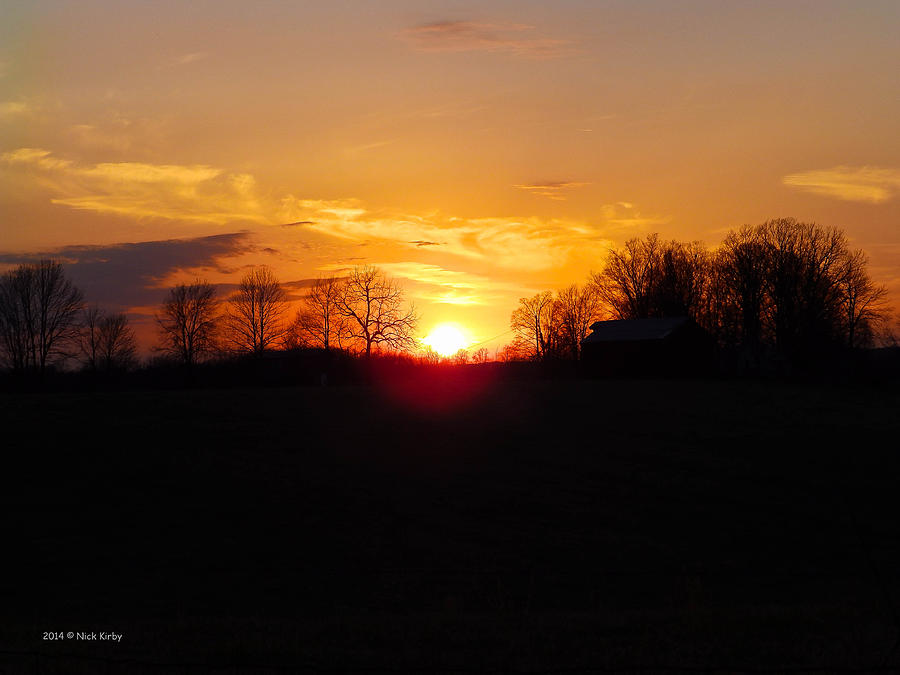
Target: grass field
{"x":453,"y":523}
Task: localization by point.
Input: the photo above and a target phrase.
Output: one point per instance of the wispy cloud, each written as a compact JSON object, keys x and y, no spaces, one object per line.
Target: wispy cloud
{"x":119,"y":133}
{"x":197,"y":193}
{"x":88,"y":135}
{"x":35,"y":158}
{"x":369,"y":146}
{"x":334,"y":208}
{"x":12,"y":109}
{"x":556,"y":190}
{"x":192,"y":57}
{"x":870,"y":184}
{"x":440,"y":285}
{"x":467,"y":36}
{"x":434,"y":275}
{"x":625,"y":217}
{"x":203,"y":193}
{"x":512,"y":243}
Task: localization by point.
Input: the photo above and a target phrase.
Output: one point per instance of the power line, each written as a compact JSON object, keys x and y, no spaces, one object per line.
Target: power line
{"x":493,"y":338}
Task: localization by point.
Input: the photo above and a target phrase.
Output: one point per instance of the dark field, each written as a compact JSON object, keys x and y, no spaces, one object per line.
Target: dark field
{"x":453,"y":525}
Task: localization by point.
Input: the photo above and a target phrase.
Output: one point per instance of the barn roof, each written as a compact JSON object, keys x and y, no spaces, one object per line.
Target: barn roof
{"x":635,"y":329}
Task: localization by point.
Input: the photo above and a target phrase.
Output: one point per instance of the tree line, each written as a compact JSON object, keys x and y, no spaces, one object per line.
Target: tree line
{"x":361,"y":312}
{"x":782,"y":289}
{"x":45,"y":322}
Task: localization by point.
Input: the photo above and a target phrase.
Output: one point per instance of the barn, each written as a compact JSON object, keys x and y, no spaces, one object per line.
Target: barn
{"x":670,"y":346}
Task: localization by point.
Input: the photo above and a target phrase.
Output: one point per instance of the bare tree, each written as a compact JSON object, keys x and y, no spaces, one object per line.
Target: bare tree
{"x":715,"y":310}
{"x":375,"y":312}
{"x":189,"y":322}
{"x":783,"y":288}
{"x":577,"y":308}
{"x":39,"y":309}
{"x":511,"y":352}
{"x":481,"y":355}
{"x":536,"y":326}
{"x":630,"y":277}
{"x":682,"y":279}
{"x":802,"y":287}
{"x":319,"y":322}
{"x":107,"y":341}
{"x":649,"y":278}
{"x":429,"y":356}
{"x":16,"y":319}
{"x":863,"y":304}
{"x":255,"y":317}
{"x":743,"y":264}
{"x":793,"y":287}
{"x":89,"y":338}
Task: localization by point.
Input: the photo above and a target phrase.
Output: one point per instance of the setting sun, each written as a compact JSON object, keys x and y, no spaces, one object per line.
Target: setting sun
{"x":446,"y":339}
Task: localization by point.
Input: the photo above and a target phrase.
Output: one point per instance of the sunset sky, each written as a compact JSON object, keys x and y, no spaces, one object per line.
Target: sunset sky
{"x":478,"y":152}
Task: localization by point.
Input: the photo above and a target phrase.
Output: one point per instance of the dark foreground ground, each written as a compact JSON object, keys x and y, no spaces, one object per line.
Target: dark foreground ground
{"x":453,"y":526}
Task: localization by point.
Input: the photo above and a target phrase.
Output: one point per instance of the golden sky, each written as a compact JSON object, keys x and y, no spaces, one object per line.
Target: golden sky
{"x":479,"y":152}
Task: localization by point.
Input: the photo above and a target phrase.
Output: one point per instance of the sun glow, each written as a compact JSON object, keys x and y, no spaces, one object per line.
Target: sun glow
{"x":446,"y":339}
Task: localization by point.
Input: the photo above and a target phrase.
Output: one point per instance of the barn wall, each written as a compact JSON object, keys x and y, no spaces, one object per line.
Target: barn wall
{"x":684,"y":353}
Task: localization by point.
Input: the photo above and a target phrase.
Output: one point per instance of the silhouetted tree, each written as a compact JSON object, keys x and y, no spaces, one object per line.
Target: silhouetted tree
{"x":630,"y":277}
{"x":430,"y":357}
{"x":107,"y":341}
{"x":682,"y":280}
{"x":535,"y":323}
{"x":255,"y":317}
{"x":743,"y":268}
{"x":375,"y":311}
{"x":481,"y":355}
{"x":89,"y":337}
{"x":714,"y":312}
{"x":513,"y":352}
{"x":319,"y":322}
{"x":577,"y":307}
{"x":863,"y":305}
{"x":783,"y":286}
{"x":189,"y":323}
{"x":802,"y":283}
{"x":649,"y":278}
{"x":39,"y":309}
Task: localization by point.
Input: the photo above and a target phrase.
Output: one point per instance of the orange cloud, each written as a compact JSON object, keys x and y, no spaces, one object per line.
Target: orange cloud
{"x":625,"y":216}
{"x":35,"y":157}
{"x":192,"y":57}
{"x":513,"y":243}
{"x":9,"y":109}
{"x":468,"y":36}
{"x":118,"y":133}
{"x":870,"y":184}
{"x":202,"y":193}
{"x":555,"y":190}
{"x":439,"y":285}
{"x":198,"y":193}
